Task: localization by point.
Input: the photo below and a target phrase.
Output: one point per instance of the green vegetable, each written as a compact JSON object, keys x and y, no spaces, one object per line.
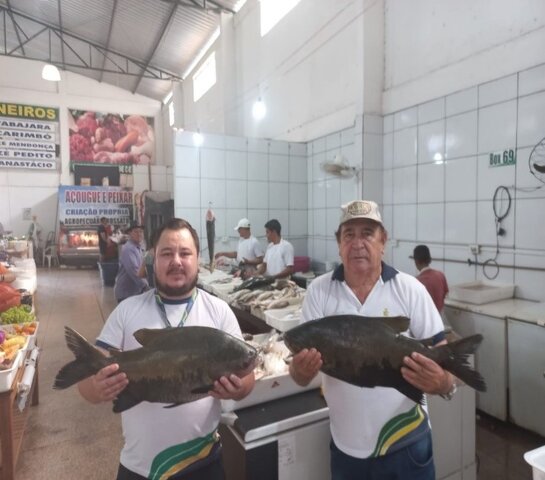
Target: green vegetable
{"x":19,"y":314}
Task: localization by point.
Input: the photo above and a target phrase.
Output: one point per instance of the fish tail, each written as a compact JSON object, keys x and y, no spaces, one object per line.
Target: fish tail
{"x":88,"y":360}
{"x":457,"y":361}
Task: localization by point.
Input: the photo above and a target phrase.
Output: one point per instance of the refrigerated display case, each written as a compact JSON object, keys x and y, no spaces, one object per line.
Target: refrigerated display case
{"x":78,"y":246}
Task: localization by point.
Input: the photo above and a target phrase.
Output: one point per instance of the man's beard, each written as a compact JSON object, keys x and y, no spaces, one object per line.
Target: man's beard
{"x":181,"y":291}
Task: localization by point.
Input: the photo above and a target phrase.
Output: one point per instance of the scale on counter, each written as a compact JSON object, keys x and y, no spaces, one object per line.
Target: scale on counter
{"x":280,"y":439}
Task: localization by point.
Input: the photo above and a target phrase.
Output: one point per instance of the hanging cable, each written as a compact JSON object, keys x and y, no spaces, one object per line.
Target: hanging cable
{"x":500,"y":213}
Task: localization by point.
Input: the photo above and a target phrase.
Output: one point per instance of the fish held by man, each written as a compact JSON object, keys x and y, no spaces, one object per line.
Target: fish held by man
{"x":173,"y":366}
{"x":369,"y":351}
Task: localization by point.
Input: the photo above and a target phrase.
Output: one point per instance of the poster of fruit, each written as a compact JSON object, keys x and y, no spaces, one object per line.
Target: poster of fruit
{"x":110,"y":138}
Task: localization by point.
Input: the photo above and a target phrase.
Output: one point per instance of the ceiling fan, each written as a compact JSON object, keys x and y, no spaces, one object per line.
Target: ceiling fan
{"x":339,"y":167}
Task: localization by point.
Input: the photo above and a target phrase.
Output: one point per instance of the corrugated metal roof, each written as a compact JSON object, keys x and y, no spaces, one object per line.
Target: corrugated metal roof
{"x":133,"y":44}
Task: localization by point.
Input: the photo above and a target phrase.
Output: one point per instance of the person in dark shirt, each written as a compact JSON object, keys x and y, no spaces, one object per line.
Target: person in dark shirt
{"x":434,"y":280}
{"x":104,"y":233}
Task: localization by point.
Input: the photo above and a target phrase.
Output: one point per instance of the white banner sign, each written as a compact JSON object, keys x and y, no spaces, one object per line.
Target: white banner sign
{"x":29,"y":136}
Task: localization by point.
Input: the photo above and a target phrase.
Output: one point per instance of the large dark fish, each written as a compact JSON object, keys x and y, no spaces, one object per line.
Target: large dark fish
{"x":369,"y":351}
{"x":211,"y":236}
{"x":174,"y":365}
{"x":254,"y":282}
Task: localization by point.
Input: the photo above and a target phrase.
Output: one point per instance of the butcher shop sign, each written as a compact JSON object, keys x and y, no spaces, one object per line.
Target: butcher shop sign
{"x":29,"y":136}
{"x":110,"y":139}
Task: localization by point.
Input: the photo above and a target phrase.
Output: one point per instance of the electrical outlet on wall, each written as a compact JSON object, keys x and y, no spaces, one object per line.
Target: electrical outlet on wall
{"x":475,"y":249}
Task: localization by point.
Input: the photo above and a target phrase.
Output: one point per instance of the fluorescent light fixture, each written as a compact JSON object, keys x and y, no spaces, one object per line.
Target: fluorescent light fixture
{"x":202,"y":53}
{"x":51,"y":73}
{"x":438,"y":158}
{"x":168,"y":97}
{"x":259,"y":109}
{"x":198,"y":139}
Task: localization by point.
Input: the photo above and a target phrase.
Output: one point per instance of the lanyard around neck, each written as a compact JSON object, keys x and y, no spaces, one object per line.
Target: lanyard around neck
{"x":163,"y":311}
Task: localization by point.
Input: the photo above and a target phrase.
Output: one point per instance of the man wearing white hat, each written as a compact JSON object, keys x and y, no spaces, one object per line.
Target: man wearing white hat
{"x":249,"y":250}
{"x":376,"y":432}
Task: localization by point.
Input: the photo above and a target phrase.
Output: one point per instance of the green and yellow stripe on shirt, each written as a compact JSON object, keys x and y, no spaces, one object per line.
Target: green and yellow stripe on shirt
{"x":398,"y":429}
{"x":178,"y":457}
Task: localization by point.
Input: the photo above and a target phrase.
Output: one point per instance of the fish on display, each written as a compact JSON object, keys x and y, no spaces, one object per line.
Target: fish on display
{"x":369,"y":351}
{"x":173,"y":366}
{"x":211,"y":236}
{"x":254,"y":282}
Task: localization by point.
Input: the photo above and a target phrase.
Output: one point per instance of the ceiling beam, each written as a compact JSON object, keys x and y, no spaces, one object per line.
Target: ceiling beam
{"x":110,"y":28}
{"x":15,"y":26}
{"x":26,"y":41}
{"x":61,"y":32}
{"x":151,"y":71}
{"x":160,"y":75}
{"x":213,"y":2}
{"x":160,"y":37}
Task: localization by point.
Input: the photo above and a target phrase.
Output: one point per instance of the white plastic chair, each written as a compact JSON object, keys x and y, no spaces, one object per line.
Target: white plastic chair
{"x":50,"y":252}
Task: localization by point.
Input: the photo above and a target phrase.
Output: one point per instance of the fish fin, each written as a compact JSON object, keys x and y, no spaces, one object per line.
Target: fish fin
{"x":172,"y":405}
{"x":89,"y":360}
{"x":399,"y":324}
{"x":145,"y":336}
{"x":203,"y":389}
{"x":457,"y":363}
{"x":124,"y":401}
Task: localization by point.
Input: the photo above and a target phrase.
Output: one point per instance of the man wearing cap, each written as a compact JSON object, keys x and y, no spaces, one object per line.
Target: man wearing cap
{"x":249,"y":250}
{"x":279,"y":257}
{"x":127,"y":281}
{"x":376,"y":432}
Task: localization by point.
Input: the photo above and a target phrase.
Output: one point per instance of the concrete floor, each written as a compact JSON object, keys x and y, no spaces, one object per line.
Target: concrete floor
{"x":67,"y":438}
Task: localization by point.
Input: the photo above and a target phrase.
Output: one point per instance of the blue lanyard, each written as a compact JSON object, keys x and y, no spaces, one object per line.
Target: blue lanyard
{"x":163,"y":311}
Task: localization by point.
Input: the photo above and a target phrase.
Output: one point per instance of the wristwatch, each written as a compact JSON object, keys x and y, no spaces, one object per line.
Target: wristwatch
{"x":450,"y":393}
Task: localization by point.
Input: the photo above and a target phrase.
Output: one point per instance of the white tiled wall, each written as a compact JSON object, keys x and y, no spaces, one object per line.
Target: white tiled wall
{"x":241,"y":177}
{"x":445,"y":205}
{"x":450,"y":205}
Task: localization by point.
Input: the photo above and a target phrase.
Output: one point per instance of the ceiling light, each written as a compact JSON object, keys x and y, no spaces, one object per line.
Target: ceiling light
{"x":438,"y":158}
{"x":259,"y":109}
{"x":51,"y":73}
{"x":198,"y":139}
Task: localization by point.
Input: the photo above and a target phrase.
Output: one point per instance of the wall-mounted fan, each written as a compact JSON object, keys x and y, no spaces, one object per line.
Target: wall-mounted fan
{"x":339,"y":167}
{"x":536,"y":161}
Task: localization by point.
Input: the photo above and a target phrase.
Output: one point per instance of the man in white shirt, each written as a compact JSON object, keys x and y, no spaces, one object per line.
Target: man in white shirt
{"x":278,"y":261}
{"x":249,"y":250}
{"x":376,"y":432}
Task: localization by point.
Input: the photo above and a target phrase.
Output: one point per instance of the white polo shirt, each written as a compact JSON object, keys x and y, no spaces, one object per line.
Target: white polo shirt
{"x":369,"y":422}
{"x":278,"y":256}
{"x":249,"y":248}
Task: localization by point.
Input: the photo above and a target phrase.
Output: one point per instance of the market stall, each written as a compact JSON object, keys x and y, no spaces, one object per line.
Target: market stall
{"x":18,"y":372}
